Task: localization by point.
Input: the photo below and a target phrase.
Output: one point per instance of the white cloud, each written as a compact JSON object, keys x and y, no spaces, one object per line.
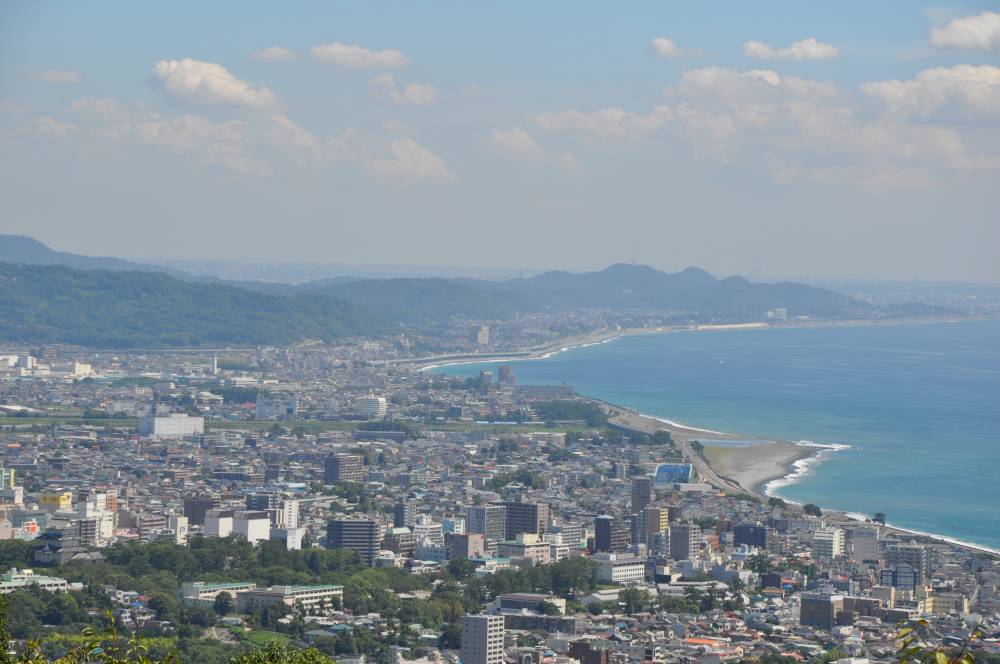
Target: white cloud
{"x":58,"y":77}
{"x":980,"y":32}
{"x":974,"y":90}
{"x":518,"y":142}
{"x":668,"y":48}
{"x":48,"y":126}
{"x":209,"y":84}
{"x":100,"y":108}
{"x":606,"y":122}
{"x":756,"y":83}
{"x":384,"y":86}
{"x":804,"y":49}
{"x":14,"y":107}
{"x":274,"y":54}
{"x":352,"y":56}
{"x":409,"y":161}
{"x":804,"y":130}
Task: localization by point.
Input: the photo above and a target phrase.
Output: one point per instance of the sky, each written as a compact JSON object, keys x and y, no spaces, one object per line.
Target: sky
{"x":848,"y":139}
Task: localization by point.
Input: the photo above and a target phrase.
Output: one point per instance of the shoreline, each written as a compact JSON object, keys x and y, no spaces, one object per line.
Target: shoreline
{"x":786,"y":462}
{"x":565,"y":344}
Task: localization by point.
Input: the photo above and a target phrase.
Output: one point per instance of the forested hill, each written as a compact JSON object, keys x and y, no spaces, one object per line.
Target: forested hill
{"x":117,"y":309}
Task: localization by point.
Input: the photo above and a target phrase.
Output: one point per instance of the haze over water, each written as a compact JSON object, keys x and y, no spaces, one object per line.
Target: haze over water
{"x":919,"y":406}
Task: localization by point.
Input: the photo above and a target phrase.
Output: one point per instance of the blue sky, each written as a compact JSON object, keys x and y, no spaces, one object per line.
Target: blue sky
{"x":770,"y":139}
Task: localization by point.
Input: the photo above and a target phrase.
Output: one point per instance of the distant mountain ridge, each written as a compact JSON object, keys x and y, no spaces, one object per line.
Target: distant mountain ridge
{"x":29,"y":251}
{"x":114,"y":293}
{"x":118,"y":309}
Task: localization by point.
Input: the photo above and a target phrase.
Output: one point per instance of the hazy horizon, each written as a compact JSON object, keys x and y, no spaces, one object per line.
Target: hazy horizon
{"x":778,"y":140}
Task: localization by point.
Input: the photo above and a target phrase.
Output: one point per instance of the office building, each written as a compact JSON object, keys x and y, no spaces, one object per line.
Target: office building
{"x":466,"y":545}
{"x":344,"y":468}
{"x":611,"y":535}
{"x":218,"y":523}
{"x":642,"y":493}
{"x":482,"y":639}
{"x":750,"y":534}
{"x":623,"y":568}
{"x":820,"y":610}
{"x":488,"y":520}
{"x":195,"y":507}
{"x":531,"y":518}
{"x":362,"y":536}
{"x":404,"y":513}
{"x":685,"y":541}
{"x":252,"y":525}
{"x":656,"y":521}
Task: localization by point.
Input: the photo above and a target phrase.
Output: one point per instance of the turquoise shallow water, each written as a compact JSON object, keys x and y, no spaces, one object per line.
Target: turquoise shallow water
{"x":919,"y":406}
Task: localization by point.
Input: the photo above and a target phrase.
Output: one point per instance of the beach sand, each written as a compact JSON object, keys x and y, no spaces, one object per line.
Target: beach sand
{"x":753,"y":466}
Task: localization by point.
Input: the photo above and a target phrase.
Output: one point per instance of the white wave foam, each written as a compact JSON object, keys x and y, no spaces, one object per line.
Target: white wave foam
{"x":804,"y":467}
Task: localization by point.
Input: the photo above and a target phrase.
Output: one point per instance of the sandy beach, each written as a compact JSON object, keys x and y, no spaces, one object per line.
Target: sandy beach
{"x":754,"y":466}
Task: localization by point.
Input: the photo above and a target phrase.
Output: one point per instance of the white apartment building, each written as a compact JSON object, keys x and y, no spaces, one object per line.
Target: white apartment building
{"x":175,"y":425}
{"x":828,"y":543}
{"x":619,"y":568}
{"x":482,"y":639}
{"x":372,"y":407}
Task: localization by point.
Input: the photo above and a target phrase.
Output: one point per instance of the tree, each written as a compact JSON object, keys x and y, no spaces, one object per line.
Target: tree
{"x":451,"y":637}
{"x":879,"y":518}
{"x":548,"y":609}
{"x":774,"y":501}
{"x":634,"y":600}
{"x":223,"y":603}
{"x":812,"y":510}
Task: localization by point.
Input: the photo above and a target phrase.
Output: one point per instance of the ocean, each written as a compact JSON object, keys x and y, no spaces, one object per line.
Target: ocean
{"x":914,"y":409}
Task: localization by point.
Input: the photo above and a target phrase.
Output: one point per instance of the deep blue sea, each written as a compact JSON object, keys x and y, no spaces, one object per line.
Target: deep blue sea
{"x":918,"y":405}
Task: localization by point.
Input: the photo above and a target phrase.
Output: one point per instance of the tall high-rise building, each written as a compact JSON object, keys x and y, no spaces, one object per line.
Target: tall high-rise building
{"x":361,"y":535}
{"x":531,"y":518}
{"x":828,"y":543}
{"x":482,"y":639}
{"x":404,"y":513}
{"x":750,"y":534}
{"x":610,"y":534}
{"x":685,"y":541}
{"x":913,"y":555}
{"x":196,"y":506}
{"x":344,"y":468}
{"x":657,"y":520}
{"x":505,"y":375}
{"x":489,"y":520}
{"x":642,"y":493}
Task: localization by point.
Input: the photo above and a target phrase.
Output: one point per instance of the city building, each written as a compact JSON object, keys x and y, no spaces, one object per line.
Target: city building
{"x":482,"y":639}
{"x":642,"y":493}
{"x":489,"y":520}
{"x":175,"y":425}
{"x":610,"y":534}
{"x":360,"y":535}
{"x":623,"y":568}
{"x":344,"y":468}
{"x":307,"y":598}
{"x":828,"y":543}
{"x":685,"y":541}
{"x":750,"y":534}
{"x":252,"y":525}
{"x":276,"y":407}
{"x":525,"y":517}
{"x":372,"y":407}
{"x":820,"y":610}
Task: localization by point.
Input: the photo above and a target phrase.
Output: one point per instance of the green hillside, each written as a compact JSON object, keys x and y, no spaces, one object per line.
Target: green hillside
{"x":104,"y":309}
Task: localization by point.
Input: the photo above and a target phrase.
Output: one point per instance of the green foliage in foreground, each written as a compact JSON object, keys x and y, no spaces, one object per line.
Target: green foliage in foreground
{"x":55,"y":304}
